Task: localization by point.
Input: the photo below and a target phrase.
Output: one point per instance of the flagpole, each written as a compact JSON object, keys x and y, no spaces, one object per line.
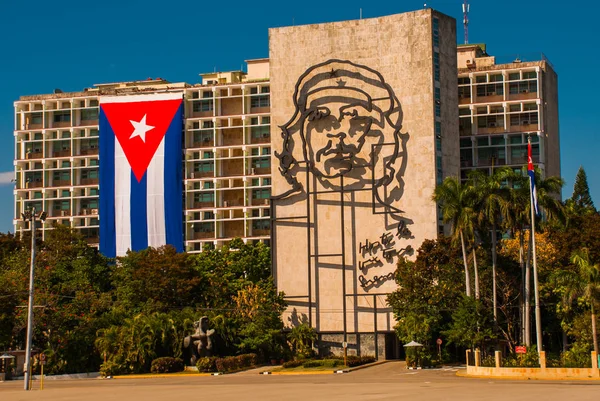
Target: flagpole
{"x":538,"y":314}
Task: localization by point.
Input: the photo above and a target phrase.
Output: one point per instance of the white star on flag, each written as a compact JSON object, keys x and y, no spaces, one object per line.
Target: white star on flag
{"x":141,"y":128}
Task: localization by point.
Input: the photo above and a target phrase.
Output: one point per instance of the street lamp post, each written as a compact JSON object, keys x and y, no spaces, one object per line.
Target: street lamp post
{"x":31,"y":216}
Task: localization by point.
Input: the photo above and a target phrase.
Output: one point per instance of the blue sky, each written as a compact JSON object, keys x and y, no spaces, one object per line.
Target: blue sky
{"x":44,"y":45}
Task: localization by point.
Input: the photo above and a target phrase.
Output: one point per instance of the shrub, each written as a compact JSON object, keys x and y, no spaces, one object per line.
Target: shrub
{"x":528,"y":360}
{"x":235,"y":363}
{"x":166,"y":365}
{"x":293,"y":364}
{"x":354,"y":360}
{"x":207,"y":364}
{"x":110,"y":368}
{"x":312,"y":363}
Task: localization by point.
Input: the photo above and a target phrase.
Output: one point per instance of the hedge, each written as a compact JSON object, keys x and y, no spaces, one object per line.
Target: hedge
{"x":235,"y":363}
{"x":166,"y":365}
{"x":207,"y":364}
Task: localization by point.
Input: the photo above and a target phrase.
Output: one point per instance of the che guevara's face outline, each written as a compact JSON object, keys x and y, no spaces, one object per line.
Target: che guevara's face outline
{"x":335,"y":130}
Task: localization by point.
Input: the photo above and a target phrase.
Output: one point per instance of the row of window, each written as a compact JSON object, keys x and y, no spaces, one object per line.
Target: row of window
{"x":498,"y":77}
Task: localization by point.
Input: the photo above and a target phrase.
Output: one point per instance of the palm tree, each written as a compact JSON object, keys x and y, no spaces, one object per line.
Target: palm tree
{"x":583,"y":282}
{"x":456,"y":200}
{"x":516,"y":212}
{"x":491,"y":197}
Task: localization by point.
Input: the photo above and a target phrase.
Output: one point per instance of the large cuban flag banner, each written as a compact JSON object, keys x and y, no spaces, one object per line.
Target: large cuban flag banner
{"x":140,"y":172}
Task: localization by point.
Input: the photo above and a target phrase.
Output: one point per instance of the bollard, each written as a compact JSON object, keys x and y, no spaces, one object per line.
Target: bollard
{"x":468,"y":356}
{"x":543,"y":359}
{"x":477,"y":358}
{"x":595,"y":370}
{"x":497,"y":356}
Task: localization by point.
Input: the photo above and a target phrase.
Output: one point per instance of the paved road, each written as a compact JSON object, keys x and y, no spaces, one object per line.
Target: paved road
{"x":384,"y":382}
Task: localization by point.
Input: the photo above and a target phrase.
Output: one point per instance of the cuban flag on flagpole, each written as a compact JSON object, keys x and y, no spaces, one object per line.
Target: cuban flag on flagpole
{"x":531,"y":173}
{"x":140,"y":172}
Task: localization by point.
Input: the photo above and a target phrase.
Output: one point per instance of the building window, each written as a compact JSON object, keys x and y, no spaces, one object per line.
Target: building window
{"x":202,"y":105}
{"x":260,"y":132}
{"x":261,"y":162}
{"x":207,"y":227}
{"x":208,"y":185}
{"x":36,"y":118}
{"x":262,"y":224}
{"x":490,"y":90}
{"x":62,"y":117}
{"x":529,"y":75}
{"x":208,"y":215}
{"x":204,"y":167}
{"x":61,"y":176}
{"x":204,"y":197}
{"x":266,"y":181}
{"x":261,"y":193}
{"x":89,"y":114}
{"x":523,"y":87}
{"x":262,"y":100}
{"x":255,"y":182}
{"x":89,"y":174}
{"x":94,"y":192}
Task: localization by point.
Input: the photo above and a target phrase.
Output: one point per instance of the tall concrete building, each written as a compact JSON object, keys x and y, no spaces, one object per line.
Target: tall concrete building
{"x":226,"y":156}
{"x":500,"y":106}
{"x":365,"y":124}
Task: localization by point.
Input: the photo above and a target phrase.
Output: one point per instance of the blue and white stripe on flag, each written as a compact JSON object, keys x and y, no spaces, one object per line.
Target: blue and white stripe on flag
{"x":140,"y":172}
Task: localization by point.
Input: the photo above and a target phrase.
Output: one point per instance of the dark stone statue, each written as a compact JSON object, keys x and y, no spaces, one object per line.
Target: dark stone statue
{"x":200,"y":343}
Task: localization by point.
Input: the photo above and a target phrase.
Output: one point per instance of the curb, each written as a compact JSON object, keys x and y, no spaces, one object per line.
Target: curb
{"x":528,"y":378}
{"x":368,"y":365}
{"x":316,"y":372}
{"x":162,"y":376}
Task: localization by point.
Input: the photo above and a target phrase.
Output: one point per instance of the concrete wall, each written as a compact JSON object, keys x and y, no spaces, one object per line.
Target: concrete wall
{"x":399,"y":50}
{"x":551,"y":121}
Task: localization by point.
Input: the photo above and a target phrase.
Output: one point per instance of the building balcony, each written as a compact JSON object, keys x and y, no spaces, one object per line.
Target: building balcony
{"x":261,"y":139}
{"x":34,"y":184}
{"x":464,"y":100}
{"x":259,"y":110}
{"x":200,"y":174}
{"x":61,"y":124}
{"x":490,"y":130}
{"x":61,"y":183}
{"x":34,"y":155}
{"x":203,"y":205}
{"x":260,"y":170}
{"x":489,"y":99}
{"x":203,"y":235}
{"x":260,"y":233}
{"x":523,"y":127}
{"x":203,"y":144}
{"x":88,"y":212}
{"x":60,"y":213}
{"x":89,"y":181}
{"x":34,"y":126}
{"x":89,"y":151}
{"x":93,"y":240}
{"x":260,"y":201}
{"x":61,"y":153}
{"x":88,"y":122}
{"x":523,"y":96}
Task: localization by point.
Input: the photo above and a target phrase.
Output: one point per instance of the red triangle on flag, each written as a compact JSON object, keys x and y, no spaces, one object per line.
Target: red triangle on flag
{"x":139,"y":128}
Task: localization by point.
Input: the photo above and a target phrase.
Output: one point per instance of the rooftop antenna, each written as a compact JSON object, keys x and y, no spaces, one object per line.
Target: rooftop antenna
{"x":466,"y":9}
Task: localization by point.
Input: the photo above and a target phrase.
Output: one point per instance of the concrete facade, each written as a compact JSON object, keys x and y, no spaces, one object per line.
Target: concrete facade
{"x":371,"y":203}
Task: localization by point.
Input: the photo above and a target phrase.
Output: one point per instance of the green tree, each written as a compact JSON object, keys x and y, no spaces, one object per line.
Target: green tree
{"x":581,"y":193}
{"x":301,"y":338}
{"x":582,"y":282}
{"x":470,"y":324}
{"x":427,"y":291}
{"x":457,"y":201}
